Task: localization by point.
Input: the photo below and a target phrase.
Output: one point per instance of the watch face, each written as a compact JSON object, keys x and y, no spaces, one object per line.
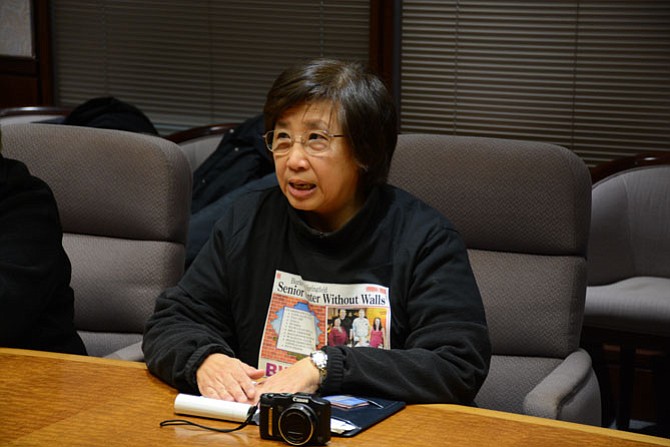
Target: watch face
{"x":320,"y":359}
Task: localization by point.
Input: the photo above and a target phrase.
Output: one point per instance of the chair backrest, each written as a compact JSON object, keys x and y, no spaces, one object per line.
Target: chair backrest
{"x":523,"y":210}
{"x":198,"y":143}
{"x":630,"y":225}
{"x":123,"y":200}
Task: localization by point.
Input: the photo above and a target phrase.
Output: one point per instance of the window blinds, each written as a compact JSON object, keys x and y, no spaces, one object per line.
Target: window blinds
{"x":191,"y":63}
{"x":593,"y":76}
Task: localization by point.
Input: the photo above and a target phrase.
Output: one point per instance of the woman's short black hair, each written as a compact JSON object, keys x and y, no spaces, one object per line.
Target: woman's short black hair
{"x":365,"y":109}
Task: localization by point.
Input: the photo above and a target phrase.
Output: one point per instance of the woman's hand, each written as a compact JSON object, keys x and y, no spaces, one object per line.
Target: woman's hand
{"x":227,"y":378}
{"x":302,"y":376}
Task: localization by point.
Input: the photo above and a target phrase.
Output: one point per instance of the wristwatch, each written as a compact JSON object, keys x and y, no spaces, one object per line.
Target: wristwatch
{"x":320,"y":360}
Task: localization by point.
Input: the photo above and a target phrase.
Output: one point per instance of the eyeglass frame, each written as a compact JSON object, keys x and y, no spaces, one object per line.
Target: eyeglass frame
{"x":305,"y":143}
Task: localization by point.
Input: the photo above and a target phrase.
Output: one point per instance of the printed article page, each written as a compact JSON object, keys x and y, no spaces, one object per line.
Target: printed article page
{"x":304,"y":316}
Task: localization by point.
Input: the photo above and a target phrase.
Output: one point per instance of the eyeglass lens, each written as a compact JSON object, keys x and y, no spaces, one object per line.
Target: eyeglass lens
{"x":314,"y":141}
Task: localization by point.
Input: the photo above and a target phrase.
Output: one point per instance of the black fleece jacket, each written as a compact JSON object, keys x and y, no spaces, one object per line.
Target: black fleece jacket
{"x":439,"y":339}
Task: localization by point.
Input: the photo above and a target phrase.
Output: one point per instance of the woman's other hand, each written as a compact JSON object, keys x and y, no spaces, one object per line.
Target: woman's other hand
{"x":227,"y":378}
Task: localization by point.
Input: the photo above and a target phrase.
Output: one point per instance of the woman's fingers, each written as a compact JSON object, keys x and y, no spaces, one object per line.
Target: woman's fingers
{"x":227,"y":378}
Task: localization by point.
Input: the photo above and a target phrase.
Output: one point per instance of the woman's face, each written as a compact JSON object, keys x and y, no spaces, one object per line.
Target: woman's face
{"x":324,"y":187}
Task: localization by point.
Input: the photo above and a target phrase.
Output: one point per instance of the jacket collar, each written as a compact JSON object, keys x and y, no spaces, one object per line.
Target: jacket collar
{"x":352,"y":232}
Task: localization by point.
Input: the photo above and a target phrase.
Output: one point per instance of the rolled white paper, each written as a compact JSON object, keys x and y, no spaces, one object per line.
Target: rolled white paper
{"x":211,"y":408}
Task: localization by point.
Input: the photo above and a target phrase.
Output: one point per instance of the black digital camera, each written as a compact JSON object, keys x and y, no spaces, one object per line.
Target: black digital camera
{"x":298,"y":419}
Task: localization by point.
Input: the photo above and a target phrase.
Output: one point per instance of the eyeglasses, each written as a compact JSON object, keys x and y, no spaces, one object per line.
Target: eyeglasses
{"x":315,"y":142}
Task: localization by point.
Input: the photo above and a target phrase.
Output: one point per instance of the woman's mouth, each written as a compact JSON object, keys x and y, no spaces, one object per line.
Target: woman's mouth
{"x":301,"y":190}
{"x":302,"y":186}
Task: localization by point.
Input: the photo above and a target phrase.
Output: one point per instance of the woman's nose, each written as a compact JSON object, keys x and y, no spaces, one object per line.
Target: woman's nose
{"x":297,"y":156}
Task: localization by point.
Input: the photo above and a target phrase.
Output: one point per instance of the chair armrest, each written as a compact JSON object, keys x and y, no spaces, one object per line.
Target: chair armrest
{"x":569,"y":393}
{"x":133,"y":353}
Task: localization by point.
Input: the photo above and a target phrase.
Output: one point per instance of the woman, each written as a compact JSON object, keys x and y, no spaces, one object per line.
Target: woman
{"x":337,"y":335}
{"x":332,"y":219}
{"x":377,"y":334}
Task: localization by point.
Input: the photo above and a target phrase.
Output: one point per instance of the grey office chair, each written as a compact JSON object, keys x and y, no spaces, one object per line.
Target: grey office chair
{"x":198,"y":143}
{"x":523,"y":209}
{"x":628,"y":298}
{"x":123,"y":200}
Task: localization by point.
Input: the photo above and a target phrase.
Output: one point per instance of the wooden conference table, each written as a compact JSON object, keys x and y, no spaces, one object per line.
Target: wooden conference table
{"x":54,"y":399}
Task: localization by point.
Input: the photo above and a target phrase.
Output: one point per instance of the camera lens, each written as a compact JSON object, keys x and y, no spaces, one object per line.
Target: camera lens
{"x":296,"y":424}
